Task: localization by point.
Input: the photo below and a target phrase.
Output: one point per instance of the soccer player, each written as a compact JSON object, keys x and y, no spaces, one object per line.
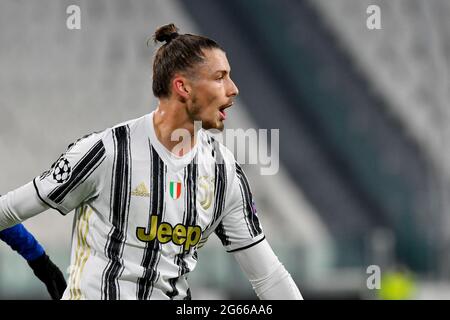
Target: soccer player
{"x":22,"y":241}
{"x":144,"y":205}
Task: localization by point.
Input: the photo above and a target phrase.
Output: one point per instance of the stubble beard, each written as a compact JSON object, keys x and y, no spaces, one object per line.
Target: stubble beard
{"x":194,"y":113}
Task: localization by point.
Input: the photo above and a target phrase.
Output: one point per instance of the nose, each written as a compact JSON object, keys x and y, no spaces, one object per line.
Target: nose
{"x":233,"y":90}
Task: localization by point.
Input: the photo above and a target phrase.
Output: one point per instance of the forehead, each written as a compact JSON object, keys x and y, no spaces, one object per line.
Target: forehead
{"x":215,"y":60}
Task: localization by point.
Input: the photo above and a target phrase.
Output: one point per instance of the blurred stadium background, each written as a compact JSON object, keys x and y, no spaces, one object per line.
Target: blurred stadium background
{"x":363,"y":116}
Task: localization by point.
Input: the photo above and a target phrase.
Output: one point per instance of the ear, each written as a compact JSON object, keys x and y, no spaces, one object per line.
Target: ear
{"x":181,"y":86}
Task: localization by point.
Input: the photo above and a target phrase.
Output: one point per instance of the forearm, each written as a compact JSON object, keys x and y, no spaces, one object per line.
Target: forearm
{"x":266,"y":273}
{"x":22,"y":241}
{"x":277,"y":286}
{"x":19,"y":205}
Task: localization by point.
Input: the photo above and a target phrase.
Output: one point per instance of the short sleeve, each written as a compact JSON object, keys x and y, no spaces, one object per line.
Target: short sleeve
{"x":76,"y":177}
{"x":240,"y":227}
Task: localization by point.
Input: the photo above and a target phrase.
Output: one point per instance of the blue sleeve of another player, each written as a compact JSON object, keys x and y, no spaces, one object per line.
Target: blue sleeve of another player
{"x":22,"y":241}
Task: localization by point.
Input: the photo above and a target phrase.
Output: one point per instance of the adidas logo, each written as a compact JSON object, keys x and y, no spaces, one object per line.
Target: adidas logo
{"x":141,"y":191}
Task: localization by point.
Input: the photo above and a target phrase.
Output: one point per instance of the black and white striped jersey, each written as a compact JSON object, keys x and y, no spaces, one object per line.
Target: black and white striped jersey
{"x":142,"y":213}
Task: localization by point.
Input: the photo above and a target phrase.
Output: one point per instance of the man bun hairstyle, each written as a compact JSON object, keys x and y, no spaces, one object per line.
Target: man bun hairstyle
{"x":165,"y":33}
{"x":180,"y":53}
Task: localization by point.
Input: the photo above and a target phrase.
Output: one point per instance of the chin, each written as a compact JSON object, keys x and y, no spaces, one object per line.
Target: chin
{"x":213,"y":125}
{"x":220,"y":126}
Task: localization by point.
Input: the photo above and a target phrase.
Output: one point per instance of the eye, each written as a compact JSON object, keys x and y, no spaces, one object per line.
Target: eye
{"x":221,"y":76}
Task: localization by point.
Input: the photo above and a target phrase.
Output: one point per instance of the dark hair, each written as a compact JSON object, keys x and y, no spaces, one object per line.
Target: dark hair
{"x":179,"y":53}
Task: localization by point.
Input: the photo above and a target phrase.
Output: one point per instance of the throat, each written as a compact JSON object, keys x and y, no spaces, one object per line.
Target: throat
{"x":178,"y":137}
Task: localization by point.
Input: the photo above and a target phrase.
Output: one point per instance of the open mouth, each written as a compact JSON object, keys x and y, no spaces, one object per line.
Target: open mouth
{"x":222,"y":110}
{"x":222,"y":113}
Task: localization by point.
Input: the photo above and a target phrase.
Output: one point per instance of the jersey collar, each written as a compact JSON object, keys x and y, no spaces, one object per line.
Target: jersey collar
{"x":170,"y":159}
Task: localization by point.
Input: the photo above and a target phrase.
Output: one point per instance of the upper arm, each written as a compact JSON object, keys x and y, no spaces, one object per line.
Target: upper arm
{"x":75,"y":177}
{"x":258,"y":261}
{"x":268,"y":276}
{"x":19,"y":205}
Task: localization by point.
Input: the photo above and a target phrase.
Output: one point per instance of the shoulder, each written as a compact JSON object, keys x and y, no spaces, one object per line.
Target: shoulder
{"x":133,"y":126}
{"x":115,"y":135}
{"x":88,"y":143}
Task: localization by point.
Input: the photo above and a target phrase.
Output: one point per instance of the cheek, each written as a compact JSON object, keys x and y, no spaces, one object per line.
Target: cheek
{"x":206,"y":101}
{"x":208,"y":96}
{"x":214,"y":97}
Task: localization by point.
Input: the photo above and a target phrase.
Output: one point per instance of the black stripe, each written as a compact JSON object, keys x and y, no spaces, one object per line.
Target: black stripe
{"x":120,"y":202}
{"x":247,"y":222}
{"x":111,"y":212}
{"x":81,"y":171}
{"x":173,"y":284}
{"x":179,"y":261}
{"x":248,"y":202}
{"x":221,"y":234}
{"x":152,"y":250}
{"x":249,"y":246}
{"x":190,"y":217}
{"x":87,"y":176}
{"x":188,"y":296}
{"x":219,"y":192}
{"x":220,"y":183}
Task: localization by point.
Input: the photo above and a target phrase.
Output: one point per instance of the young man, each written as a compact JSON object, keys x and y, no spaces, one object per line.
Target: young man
{"x":143,"y":204}
{"x":22,"y":241}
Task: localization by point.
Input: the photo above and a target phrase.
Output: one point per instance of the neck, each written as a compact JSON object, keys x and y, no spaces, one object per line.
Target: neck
{"x":174,"y":127}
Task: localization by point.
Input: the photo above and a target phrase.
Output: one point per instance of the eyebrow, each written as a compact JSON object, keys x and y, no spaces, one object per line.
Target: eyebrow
{"x":223,"y":72}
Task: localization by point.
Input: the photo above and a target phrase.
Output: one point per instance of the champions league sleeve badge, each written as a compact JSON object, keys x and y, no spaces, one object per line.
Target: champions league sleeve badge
{"x":62,"y":171}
